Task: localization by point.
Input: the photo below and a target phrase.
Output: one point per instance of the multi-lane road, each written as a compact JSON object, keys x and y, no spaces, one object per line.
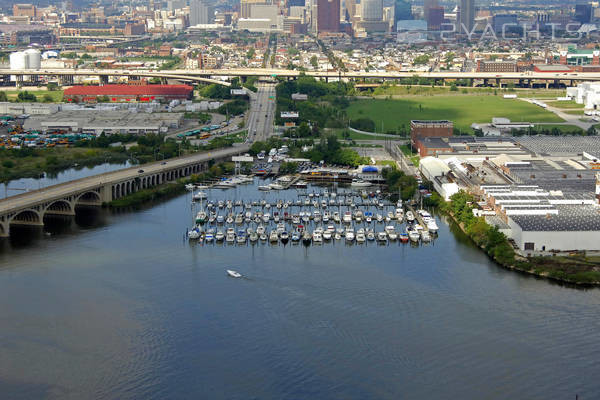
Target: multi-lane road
{"x":262,"y":113}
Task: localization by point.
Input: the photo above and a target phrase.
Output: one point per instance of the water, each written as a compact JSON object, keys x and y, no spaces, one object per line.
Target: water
{"x":120,"y":306}
{"x":19,"y":186}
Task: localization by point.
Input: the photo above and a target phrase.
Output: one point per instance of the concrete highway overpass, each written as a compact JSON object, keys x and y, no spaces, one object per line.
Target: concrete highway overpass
{"x":217,"y":75}
{"x":63,"y":199}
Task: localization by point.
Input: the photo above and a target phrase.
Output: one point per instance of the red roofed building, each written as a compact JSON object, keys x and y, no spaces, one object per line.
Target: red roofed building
{"x":128,"y":93}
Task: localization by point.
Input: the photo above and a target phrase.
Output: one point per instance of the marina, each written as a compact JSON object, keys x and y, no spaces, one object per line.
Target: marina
{"x":315,"y":215}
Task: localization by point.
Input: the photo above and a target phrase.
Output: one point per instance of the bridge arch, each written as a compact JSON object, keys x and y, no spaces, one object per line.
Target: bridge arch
{"x":60,"y":206}
{"x":128,"y":188}
{"x":28,"y":216}
{"x":88,"y":197}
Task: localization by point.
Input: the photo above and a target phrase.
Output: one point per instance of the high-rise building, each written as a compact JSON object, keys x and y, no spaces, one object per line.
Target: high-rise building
{"x":201,"y":13}
{"x":435,"y":18}
{"x":583,"y":13}
{"x":372,"y":10}
{"x":427,"y":5}
{"x":328,"y":16}
{"x":466,"y":16}
{"x":246,"y":5}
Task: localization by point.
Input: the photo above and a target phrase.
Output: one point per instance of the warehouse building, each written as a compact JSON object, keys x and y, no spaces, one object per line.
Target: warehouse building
{"x":128,"y":93}
{"x":422,"y":129}
{"x":547,"y":220}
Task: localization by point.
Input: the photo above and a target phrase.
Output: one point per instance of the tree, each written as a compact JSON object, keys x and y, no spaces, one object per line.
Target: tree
{"x":26,"y":97}
{"x":314,"y":61}
{"x":251,"y":53}
{"x":47,"y":98}
{"x":3,"y":96}
{"x":52,"y":86}
{"x":591,"y":131}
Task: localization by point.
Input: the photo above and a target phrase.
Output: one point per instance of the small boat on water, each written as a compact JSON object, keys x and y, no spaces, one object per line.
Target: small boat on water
{"x":273,"y":236}
{"x":410,"y":217}
{"x":194,"y":233}
{"x":306,"y":238}
{"x":413,"y":234}
{"x":432,"y":226}
{"x":382,"y":237}
{"x":425,"y":236}
{"x":403,"y":237}
{"x":391,"y":232}
{"x":360,"y":183}
{"x":219,"y":236}
{"x":233,"y":274}
{"x":295,"y":236}
{"x":201,"y":217}
{"x":199,"y":196}
{"x":284,"y":236}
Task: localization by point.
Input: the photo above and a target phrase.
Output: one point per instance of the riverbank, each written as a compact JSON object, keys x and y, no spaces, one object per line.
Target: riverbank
{"x":578,"y":269}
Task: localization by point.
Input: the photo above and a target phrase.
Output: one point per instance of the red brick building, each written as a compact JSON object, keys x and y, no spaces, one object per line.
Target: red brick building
{"x":128,"y":93}
{"x":421,"y":129}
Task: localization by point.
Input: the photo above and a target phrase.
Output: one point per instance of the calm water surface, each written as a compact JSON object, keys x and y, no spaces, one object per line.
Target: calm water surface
{"x":19,"y":186}
{"x":119,"y":306}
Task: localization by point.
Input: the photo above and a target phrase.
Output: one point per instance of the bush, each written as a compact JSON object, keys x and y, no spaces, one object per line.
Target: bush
{"x":363,"y":124}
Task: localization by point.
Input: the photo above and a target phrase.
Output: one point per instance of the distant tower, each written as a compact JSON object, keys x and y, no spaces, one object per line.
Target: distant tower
{"x":467,"y":15}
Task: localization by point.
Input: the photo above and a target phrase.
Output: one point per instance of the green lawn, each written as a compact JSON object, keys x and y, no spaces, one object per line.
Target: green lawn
{"x":57,"y":95}
{"x":564,"y":104}
{"x":462,"y":110}
{"x":573,"y":112}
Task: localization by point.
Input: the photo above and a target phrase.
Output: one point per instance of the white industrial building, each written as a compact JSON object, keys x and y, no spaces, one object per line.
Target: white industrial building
{"x":586,"y":93}
{"x":543,"y":220}
{"x":438,"y":172}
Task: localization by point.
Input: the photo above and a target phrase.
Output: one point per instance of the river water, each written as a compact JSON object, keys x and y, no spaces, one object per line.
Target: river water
{"x":120,"y":306}
{"x":19,"y":186}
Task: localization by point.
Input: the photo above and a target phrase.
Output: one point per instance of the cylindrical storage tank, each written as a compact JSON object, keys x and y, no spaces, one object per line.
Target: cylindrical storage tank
{"x":34,"y":58}
{"x":18,"y":61}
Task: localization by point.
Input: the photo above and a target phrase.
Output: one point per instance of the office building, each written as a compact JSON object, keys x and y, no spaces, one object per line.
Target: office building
{"x":435,"y":18}
{"x":466,"y":16}
{"x":201,"y":13}
{"x":328,"y":16}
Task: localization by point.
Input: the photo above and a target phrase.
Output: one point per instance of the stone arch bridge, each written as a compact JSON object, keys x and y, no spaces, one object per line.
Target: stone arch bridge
{"x":30,"y":208}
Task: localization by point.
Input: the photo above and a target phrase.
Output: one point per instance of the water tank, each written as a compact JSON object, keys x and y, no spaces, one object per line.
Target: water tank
{"x":18,"y":61}
{"x":34,"y":58}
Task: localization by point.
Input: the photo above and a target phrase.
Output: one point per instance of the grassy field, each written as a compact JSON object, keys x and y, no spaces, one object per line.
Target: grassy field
{"x":462,"y":110}
{"x":417,"y":90}
{"x":57,"y":95}
{"x":562,"y":128}
{"x":565,"y":105}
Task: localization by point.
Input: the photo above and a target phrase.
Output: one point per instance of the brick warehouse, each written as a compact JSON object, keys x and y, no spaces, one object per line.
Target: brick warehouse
{"x":421,"y":129}
{"x":128,"y":93}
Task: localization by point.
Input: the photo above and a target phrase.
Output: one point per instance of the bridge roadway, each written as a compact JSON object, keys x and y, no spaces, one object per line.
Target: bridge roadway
{"x":209,"y":75}
{"x":30,"y":208}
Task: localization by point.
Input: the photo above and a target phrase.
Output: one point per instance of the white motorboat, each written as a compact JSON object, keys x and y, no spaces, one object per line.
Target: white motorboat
{"x":347,"y":217}
{"x":317,"y":237}
{"x":410,"y":217}
{"x":210,"y":236}
{"x":189,"y":187}
{"x":264,"y":188}
{"x":219,"y":236}
{"x":253,"y":237}
{"x":327,"y":235}
{"x":199,"y":196}
{"x":263,"y":237}
{"x":425,"y":236}
{"x":370,"y":236}
{"x":399,"y":215}
{"x":349,"y":234}
{"x":273,"y":236}
{"x":381,"y":236}
{"x":360,"y":183}
{"x":432,"y":226}
{"x":194,"y":233}
{"x":391,"y":232}
{"x":276,"y":186}
{"x":379,"y":217}
{"x":360,"y":236}
{"x":336,"y":217}
{"x":233,"y":274}
{"x":413,"y":234}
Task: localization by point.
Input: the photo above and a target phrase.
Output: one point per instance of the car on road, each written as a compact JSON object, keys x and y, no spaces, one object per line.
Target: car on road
{"x":140,"y":171}
{"x":163,"y":163}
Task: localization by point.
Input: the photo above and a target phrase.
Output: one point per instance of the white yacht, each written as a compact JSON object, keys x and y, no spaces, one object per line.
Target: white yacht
{"x":233,"y":274}
{"x":391,"y":232}
{"x":432,"y":226}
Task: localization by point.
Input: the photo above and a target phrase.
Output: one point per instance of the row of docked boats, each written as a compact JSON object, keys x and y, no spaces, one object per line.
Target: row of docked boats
{"x":307,"y":201}
{"x":264,"y":216}
{"x":320,"y":234}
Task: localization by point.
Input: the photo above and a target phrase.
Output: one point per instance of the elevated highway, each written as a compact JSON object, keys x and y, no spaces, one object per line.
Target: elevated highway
{"x":218,"y":75}
{"x":63,"y":199}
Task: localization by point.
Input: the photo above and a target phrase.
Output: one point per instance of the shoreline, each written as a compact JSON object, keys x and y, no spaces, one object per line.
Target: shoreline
{"x":516,"y":268}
